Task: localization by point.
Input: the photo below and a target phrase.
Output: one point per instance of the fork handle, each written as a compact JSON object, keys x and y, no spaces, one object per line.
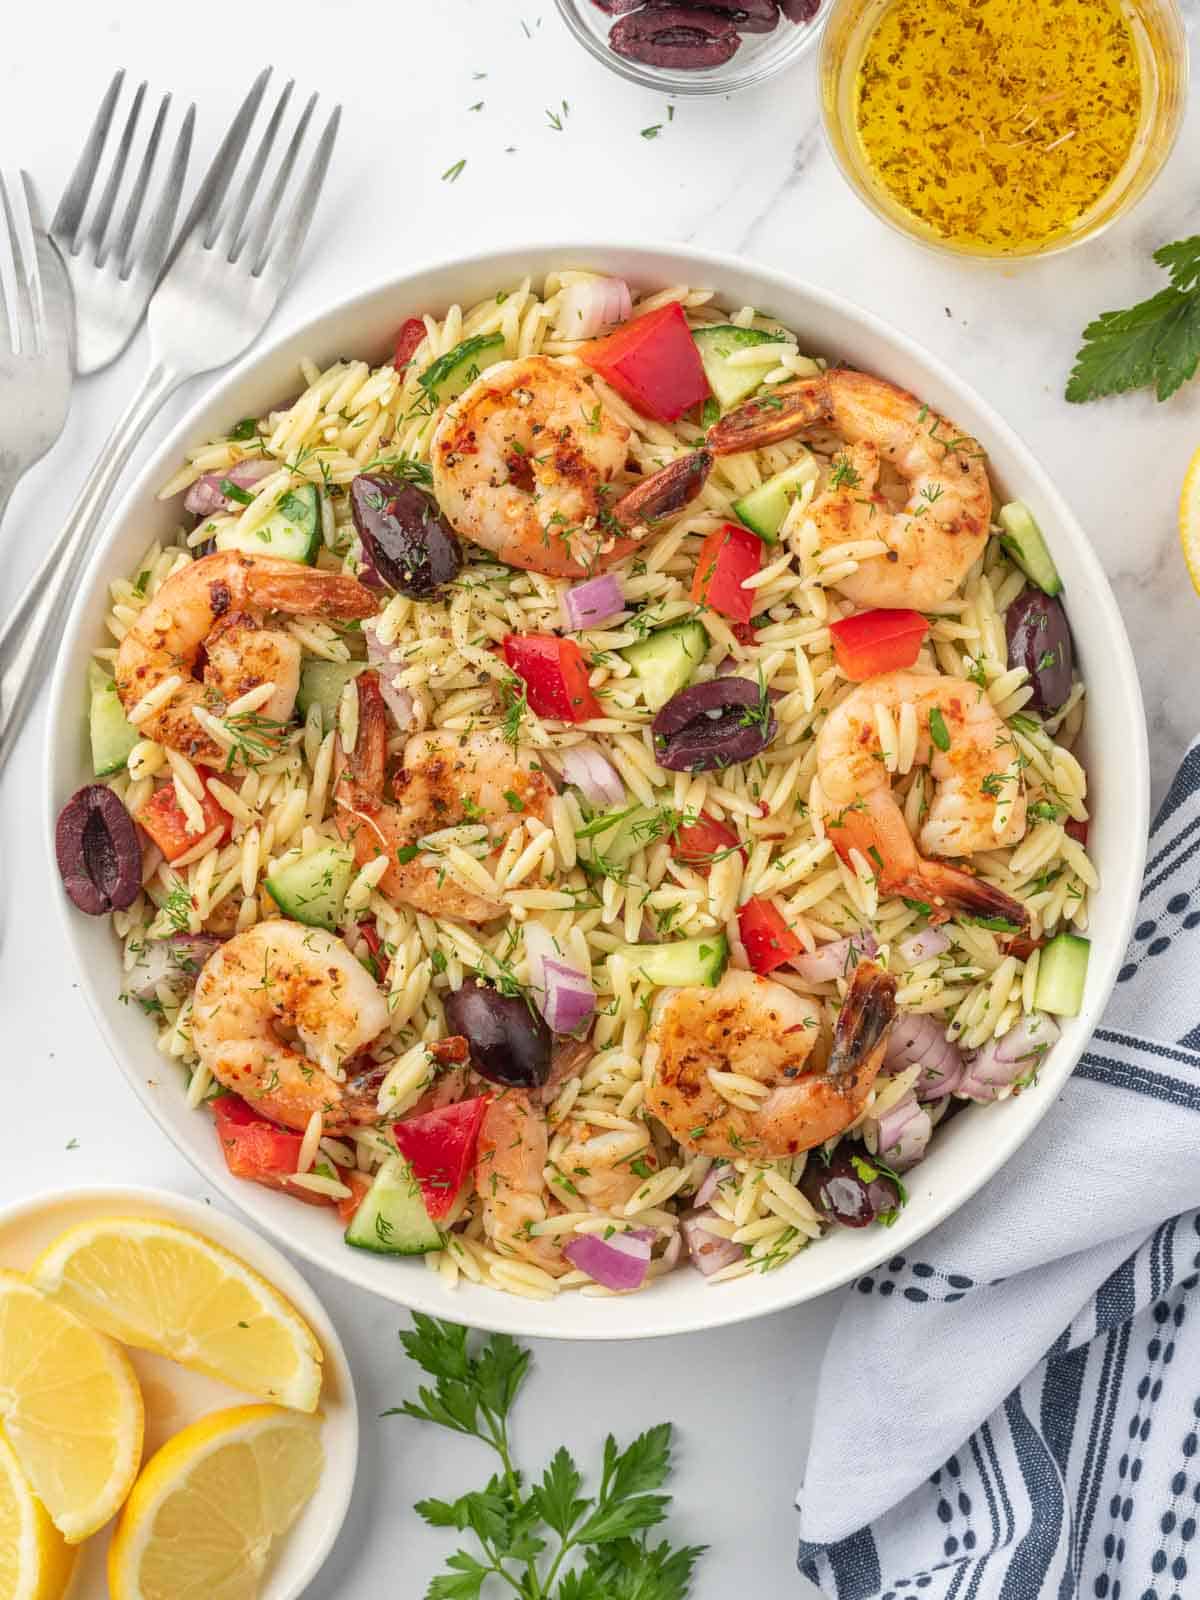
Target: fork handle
{"x":28,"y":629}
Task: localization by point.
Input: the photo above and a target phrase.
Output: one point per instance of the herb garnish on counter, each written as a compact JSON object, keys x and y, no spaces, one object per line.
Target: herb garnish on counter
{"x":1156,"y":342}
{"x":545,"y":1539}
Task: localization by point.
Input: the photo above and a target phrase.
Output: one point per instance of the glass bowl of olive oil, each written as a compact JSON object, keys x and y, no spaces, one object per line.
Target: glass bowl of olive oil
{"x":1002,"y":127}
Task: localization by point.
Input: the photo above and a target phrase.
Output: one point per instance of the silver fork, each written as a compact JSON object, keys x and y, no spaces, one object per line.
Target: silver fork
{"x":35,"y":338}
{"x":112,"y":270}
{"x":234,"y":258}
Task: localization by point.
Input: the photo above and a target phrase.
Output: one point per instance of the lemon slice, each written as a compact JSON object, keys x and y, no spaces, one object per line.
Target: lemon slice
{"x":1189,"y":519}
{"x":35,"y":1559}
{"x":71,"y":1408}
{"x":161,"y":1287}
{"x":203,"y":1514}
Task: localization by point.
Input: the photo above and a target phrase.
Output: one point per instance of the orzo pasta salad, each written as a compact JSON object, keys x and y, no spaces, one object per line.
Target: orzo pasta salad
{"x":590,"y":797}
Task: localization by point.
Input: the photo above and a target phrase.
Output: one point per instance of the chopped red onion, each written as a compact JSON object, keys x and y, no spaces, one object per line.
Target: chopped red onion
{"x":587,"y":605}
{"x":829,"y":961}
{"x":565,"y":996}
{"x":708,"y":1251}
{"x":715,"y":1176}
{"x":588,"y":307}
{"x":904,"y":1133}
{"x":618,"y":1262}
{"x":919,"y":1039}
{"x":204,"y":497}
{"x":176,"y":959}
{"x":397,"y":699}
{"x":594,"y":777}
{"x":997,"y":1066}
{"x":924,"y":946}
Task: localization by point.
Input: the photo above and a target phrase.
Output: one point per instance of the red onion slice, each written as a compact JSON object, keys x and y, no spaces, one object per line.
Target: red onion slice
{"x":708,"y":1251}
{"x":997,"y":1066}
{"x":204,"y":497}
{"x":713,"y":1178}
{"x":565,"y":996}
{"x":587,"y":308}
{"x":589,"y":604}
{"x":1035,"y":1032}
{"x":836,"y":960}
{"x":594,"y":777}
{"x":924,"y":946}
{"x":917,"y":1039}
{"x":619,"y":1262}
{"x":176,"y":959}
{"x":397,"y":699}
{"x":904,"y":1133}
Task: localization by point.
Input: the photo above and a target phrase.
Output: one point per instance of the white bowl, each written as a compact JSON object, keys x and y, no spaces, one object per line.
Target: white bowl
{"x":175,"y":1397}
{"x":977,"y":1143}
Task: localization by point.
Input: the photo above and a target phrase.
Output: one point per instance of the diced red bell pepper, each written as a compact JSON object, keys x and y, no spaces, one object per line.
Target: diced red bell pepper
{"x":164,"y":820}
{"x":728,"y":557}
{"x":440,"y":1148}
{"x":653,"y":362}
{"x":555,"y":675}
{"x":358,"y":1183}
{"x":699,"y":843}
{"x":768,"y":940}
{"x":374,"y":944}
{"x":744,"y":633}
{"x":1077,"y":830}
{"x":877,"y":641}
{"x":407,"y":342}
{"x":257,"y":1149}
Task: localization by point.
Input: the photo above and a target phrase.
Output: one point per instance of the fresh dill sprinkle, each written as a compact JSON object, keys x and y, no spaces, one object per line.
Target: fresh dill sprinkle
{"x":653,"y":131}
{"x":452,"y":174}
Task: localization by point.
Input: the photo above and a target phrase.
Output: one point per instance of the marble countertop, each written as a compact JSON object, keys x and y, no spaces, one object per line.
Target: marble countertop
{"x":749,"y":175}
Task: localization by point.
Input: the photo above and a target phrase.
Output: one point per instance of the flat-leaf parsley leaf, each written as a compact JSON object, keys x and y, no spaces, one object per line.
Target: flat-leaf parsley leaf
{"x":1154,"y":343}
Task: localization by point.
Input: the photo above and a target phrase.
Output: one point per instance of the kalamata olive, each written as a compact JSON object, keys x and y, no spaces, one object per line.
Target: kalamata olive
{"x":617,"y":8}
{"x":409,"y":542}
{"x":799,"y":10}
{"x":98,"y":851}
{"x":510,"y":1044}
{"x":675,"y":37}
{"x":844,"y":1191}
{"x":1039,"y":639}
{"x":713,"y":724}
{"x":747,"y":16}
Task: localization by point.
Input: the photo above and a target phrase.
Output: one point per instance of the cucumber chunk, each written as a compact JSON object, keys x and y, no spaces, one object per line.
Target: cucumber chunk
{"x":1062,"y":971}
{"x":716,"y":345}
{"x":313,"y":888}
{"x":450,"y":374}
{"x":112,"y":735}
{"x":321,"y":684}
{"x":764,"y":508}
{"x":292,"y":531}
{"x":392,"y":1219}
{"x":666,"y":660}
{"x":684,"y":963}
{"x":1023,"y":540}
{"x":617,"y":835}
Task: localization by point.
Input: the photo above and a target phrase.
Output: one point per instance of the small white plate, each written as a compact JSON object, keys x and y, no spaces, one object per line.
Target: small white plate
{"x":174,"y":1396}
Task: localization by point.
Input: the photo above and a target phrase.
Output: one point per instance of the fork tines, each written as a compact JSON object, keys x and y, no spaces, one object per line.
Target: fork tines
{"x":22,"y":309}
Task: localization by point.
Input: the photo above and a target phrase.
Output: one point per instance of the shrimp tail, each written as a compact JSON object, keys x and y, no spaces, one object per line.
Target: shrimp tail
{"x":311,"y":592}
{"x":665,"y":492}
{"x":949,"y":889}
{"x":789,"y":408}
{"x":863,"y":1025}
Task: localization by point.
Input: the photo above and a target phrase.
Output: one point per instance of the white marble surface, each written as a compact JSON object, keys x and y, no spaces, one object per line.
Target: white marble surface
{"x":751,"y":175}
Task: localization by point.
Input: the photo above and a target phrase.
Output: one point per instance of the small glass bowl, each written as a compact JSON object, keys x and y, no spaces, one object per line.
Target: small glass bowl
{"x":1163,"y":58}
{"x":759,"y":56}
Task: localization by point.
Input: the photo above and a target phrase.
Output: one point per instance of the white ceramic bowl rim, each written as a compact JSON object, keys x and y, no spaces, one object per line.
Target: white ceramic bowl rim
{"x":979,"y":1143}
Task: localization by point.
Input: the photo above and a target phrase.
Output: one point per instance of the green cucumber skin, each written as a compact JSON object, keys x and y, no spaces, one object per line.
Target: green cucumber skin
{"x":292,"y":531}
{"x":1026,"y":544}
{"x":112,"y":736}
{"x":730,"y":384}
{"x":1062,"y":975}
{"x":391,"y":1219}
{"x":321,"y":684}
{"x":447,"y":377}
{"x":666,"y":660}
{"x":684,"y":963}
{"x":312,"y":889}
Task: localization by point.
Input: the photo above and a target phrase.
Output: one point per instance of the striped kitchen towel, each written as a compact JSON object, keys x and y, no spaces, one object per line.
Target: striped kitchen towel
{"x":1013,"y":1410}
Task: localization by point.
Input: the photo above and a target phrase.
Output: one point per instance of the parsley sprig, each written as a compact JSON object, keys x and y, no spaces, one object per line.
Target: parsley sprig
{"x":1154,"y":343}
{"x":545,"y":1539}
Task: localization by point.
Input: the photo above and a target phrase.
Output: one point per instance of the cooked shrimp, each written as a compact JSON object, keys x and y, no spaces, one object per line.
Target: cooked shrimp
{"x":525,"y":462}
{"x":278,"y":982}
{"x":763,"y":1031}
{"x":445,"y":780}
{"x":509,"y":1167}
{"x":940,"y":532}
{"x":978,"y":800}
{"x":205,"y":629}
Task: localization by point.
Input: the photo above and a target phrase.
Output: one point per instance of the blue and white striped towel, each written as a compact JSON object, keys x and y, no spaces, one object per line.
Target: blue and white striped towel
{"x":1013,"y":1411}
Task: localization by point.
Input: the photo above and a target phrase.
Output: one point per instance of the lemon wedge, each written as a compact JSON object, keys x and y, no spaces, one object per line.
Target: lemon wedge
{"x":71,"y":1408}
{"x":203,"y":1514}
{"x":35,"y":1559}
{"x":162,"y":1287}
{"x":1189,"y":519}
